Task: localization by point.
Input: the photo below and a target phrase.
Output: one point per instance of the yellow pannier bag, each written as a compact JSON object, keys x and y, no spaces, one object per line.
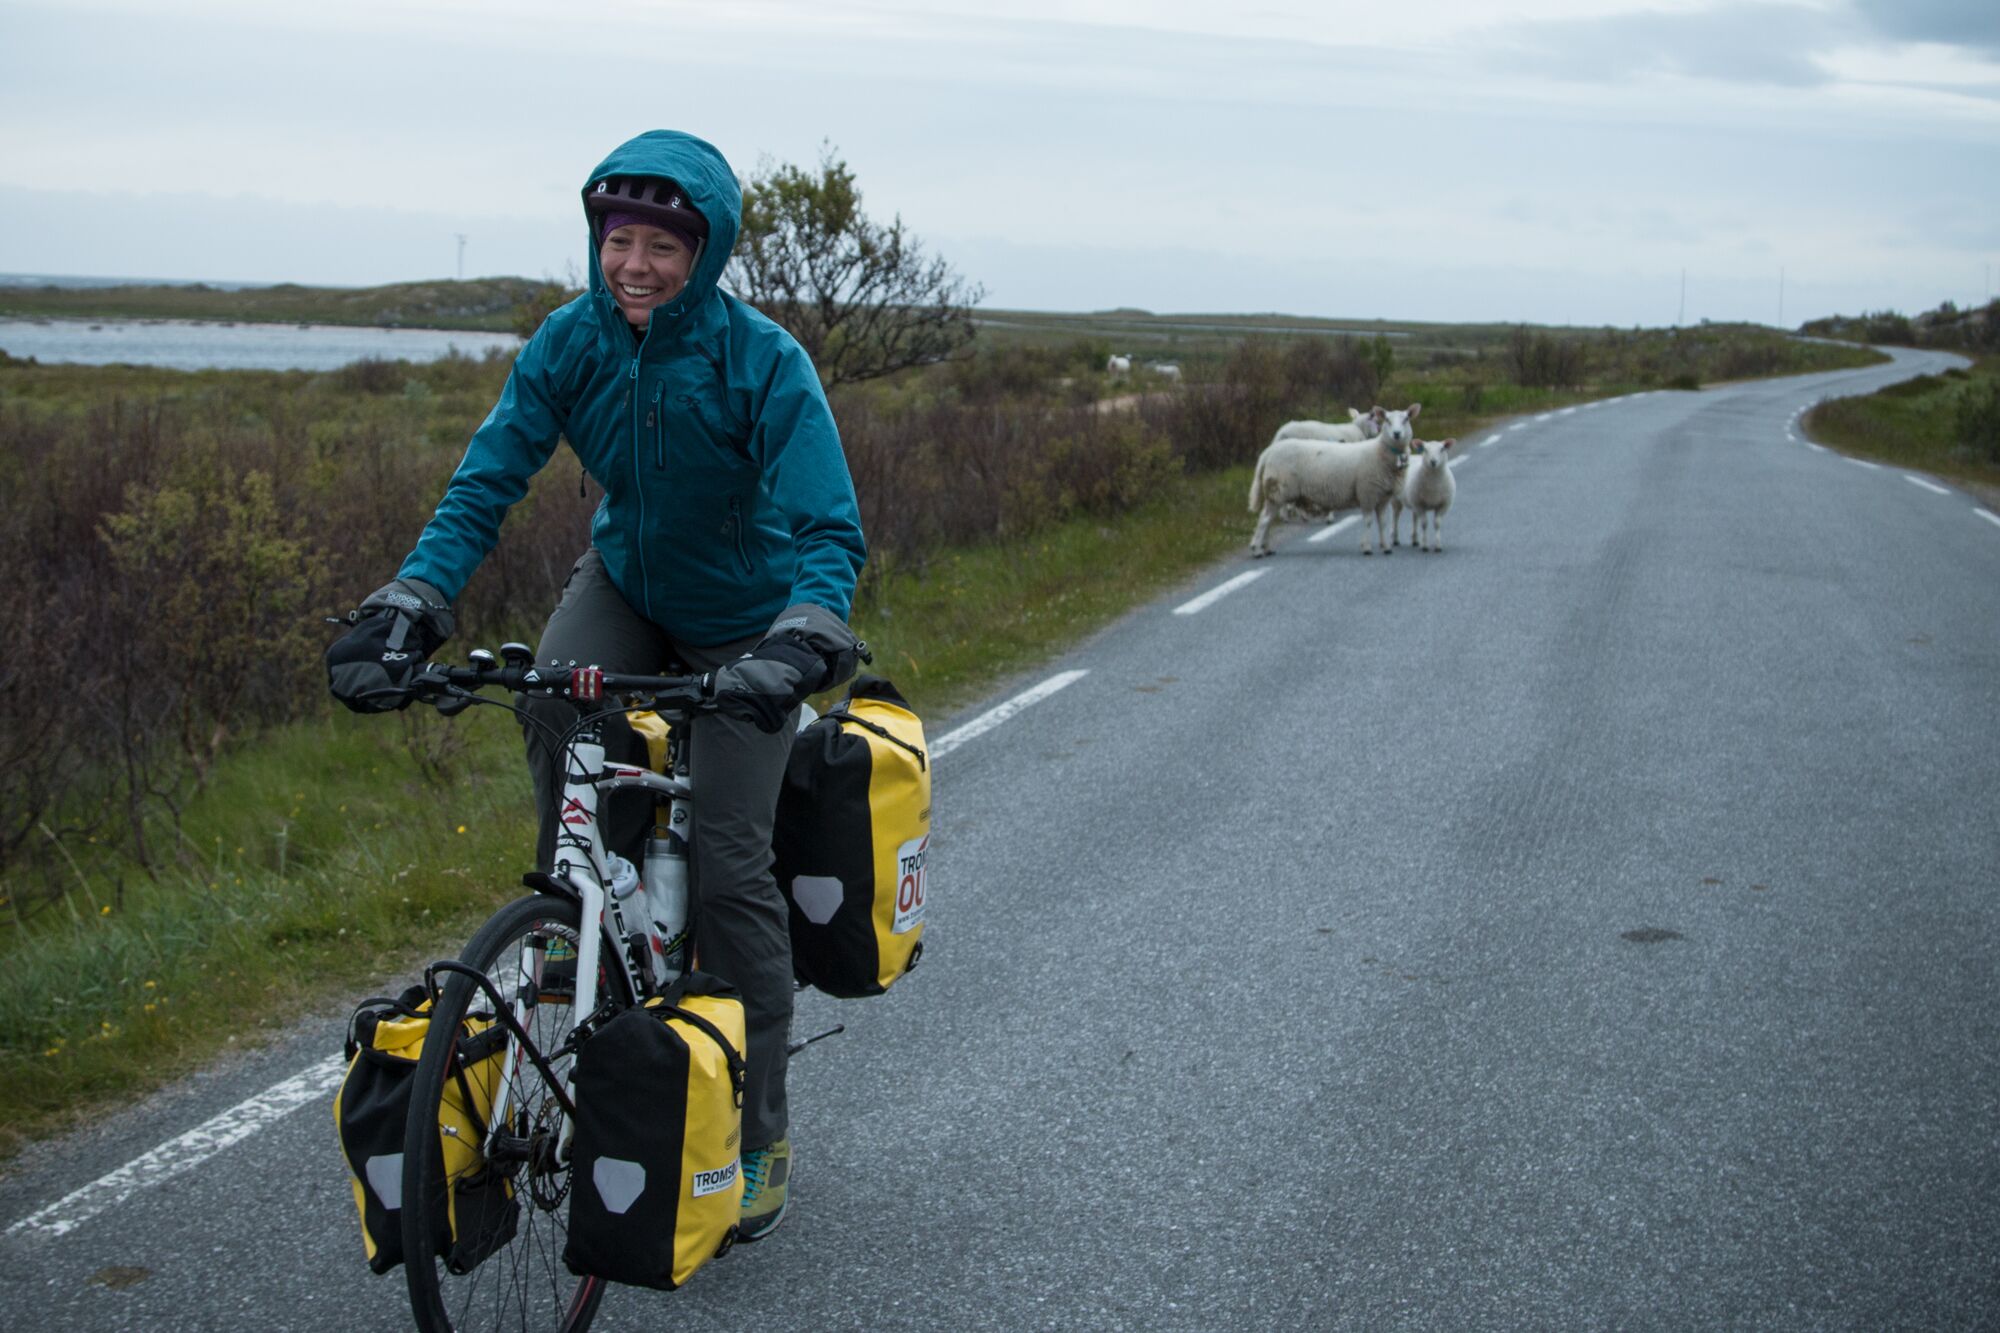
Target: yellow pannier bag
{"x":852,"y":842}
{"x":657,"y":1181}
{"x":385,"y":1037}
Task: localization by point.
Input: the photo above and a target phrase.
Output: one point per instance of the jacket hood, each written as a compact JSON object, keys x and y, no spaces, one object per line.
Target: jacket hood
{"x":704,"y":174}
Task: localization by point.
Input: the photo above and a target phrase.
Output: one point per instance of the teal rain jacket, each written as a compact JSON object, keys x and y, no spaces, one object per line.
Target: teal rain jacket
{"x":726,"y":494}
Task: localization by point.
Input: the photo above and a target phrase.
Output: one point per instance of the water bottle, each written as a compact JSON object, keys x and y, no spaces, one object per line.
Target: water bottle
{"x":624,"y":876}
{"x":666,"y":880}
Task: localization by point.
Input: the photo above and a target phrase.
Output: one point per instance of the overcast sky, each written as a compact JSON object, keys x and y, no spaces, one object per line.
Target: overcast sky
{"x":1558,"y":161}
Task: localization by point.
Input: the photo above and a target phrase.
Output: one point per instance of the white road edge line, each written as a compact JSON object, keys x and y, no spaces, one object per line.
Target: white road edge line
{"x":1330,"y":529}
{"x":993,"y":717}
{"x":1930,"y":486}
{"x":1545,"y":416}
{"x":1519,"y":425}
{"x":185,"y":1153}
{"x":1862,"y":462}
{"x":1992,"y":518}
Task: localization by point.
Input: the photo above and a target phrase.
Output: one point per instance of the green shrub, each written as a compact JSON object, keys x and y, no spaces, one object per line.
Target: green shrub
{"x":1977,"y":420}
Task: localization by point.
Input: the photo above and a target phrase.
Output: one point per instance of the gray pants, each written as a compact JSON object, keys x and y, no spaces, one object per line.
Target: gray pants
{"x":741,"y":930}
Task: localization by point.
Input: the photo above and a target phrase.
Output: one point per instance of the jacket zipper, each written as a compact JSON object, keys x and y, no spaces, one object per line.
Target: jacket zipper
{"x":736,"y":533}
{"x":658,"y":421}
{"x":645,"y":575}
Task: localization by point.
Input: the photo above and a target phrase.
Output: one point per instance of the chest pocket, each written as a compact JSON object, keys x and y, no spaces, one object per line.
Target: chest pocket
{"x":700,"y":457}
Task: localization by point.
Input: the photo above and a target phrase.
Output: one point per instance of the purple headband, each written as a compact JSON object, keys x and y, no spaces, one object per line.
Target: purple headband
{"x":613,"y":221}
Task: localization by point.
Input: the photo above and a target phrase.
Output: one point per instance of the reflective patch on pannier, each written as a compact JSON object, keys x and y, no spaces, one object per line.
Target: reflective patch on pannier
{"x":619,"y":1183}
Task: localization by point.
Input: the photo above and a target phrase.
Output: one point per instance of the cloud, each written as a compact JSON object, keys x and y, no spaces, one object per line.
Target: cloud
{"x":1772,"y":44}
{"x":1968,"y":23}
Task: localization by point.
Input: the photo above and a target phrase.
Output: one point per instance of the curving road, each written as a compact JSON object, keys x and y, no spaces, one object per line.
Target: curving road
{"x":1590,"y":926}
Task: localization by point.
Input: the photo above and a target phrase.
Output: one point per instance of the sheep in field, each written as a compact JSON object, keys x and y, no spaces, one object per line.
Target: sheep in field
{"x":1428,"y":488}
{"x":1118,"y":365}
{"x":1358,"y":426}
{"x":1166,"y":370}
{"x":1297,"y":477}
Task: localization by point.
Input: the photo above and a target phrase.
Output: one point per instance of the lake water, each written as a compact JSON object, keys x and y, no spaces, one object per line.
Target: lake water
{"x":206,"y":345}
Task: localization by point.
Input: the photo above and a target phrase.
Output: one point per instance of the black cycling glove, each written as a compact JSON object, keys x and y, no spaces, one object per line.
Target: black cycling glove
{"x":808,"y":649}
{"x":369,"y":668}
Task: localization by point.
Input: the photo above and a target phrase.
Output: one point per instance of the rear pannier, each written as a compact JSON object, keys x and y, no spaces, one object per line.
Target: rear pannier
{"x":852,"y":841}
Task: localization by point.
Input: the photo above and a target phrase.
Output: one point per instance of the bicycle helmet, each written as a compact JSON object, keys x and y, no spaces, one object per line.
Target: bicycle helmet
{"x":655,"y":199}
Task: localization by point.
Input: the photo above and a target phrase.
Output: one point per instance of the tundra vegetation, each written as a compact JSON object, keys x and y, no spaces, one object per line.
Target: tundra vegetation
{"x":194,"y":844}
{"x":1946,"y":424}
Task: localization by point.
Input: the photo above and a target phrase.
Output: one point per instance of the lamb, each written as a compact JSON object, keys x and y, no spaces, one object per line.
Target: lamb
{"x":1428,"y":488}
{"x":1295,"y":476}
{"x":1358,"y":426}
{"x":1119,"y":365}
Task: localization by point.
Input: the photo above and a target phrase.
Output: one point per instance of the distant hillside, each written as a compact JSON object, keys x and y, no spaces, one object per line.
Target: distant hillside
{"x":1971,"y":330}
{"x":486,"y":304}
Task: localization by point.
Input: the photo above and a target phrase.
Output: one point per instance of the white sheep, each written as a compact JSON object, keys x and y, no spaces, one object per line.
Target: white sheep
{"x":1166,"y":370}
{"x":1297,"y":477}
{"x":1358,"y":426}
{"x":1428,"y":488}
{"x":1119,"y":365}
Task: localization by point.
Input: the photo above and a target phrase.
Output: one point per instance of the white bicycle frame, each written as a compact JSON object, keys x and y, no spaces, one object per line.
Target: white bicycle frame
{"x":580,"y":863}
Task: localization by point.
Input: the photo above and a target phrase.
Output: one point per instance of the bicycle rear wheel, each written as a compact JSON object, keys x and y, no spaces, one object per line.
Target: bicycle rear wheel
{"x":503,"y":1267}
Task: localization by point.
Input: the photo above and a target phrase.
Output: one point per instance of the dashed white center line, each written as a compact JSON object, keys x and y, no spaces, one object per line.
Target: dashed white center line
{"x":993,"y":717}
{"x":185,"y":1153}
{"x":1930,"y":486}
{"x":1519,"y":425}
{"x":1324,"y":533}
{"x":1992,"y":518}
{"x":1545,"y":416}
{"x":1491,"y":439}
{"x":1566,"y":411}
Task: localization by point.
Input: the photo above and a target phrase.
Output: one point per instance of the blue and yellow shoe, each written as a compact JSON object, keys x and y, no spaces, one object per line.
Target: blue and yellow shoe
{"x":766,"y":1173}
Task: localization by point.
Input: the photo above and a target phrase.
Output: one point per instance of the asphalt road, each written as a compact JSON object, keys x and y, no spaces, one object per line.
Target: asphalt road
{"x":1589,"y":926}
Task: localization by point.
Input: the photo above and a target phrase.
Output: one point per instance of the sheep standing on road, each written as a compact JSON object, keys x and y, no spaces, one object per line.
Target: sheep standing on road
{"x":1428,"y":488}
{"x":1358,"y":426}
{"x":1303,"y":477}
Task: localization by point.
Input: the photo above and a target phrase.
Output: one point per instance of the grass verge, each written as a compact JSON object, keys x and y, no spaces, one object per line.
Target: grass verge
{"x":1914,"y":425}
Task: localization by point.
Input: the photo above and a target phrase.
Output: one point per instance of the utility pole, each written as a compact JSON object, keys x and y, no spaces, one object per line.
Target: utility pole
{"x":461,"y":255}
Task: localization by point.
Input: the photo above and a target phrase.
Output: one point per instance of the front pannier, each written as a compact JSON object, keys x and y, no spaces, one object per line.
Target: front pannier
{"x":851,"y":841}
{"x":657,"y":1185}
{"x":384,"y":1039}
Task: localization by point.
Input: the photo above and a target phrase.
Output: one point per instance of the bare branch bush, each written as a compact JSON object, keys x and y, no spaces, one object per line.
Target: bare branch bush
{"x":861,"y":297}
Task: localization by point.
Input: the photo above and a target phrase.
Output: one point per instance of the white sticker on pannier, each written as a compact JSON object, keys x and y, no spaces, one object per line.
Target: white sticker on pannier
{"x":910,"y":885}
{"x":619,"y":1183}
{"x":716,"y":1181}
{"x":818,"y":896}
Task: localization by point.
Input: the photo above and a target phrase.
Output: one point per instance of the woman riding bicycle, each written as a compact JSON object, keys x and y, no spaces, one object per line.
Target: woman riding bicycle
{"x":728,"y":538}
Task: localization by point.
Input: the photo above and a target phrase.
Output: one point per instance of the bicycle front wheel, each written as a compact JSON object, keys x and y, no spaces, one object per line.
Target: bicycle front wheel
{"x":486,"y":1206}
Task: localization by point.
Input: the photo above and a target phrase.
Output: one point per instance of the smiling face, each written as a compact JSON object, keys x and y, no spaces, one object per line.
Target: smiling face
{"x":646,"y":267}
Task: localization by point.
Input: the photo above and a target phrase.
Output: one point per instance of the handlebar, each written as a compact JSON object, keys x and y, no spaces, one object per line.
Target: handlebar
{"x":441,"y":685}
